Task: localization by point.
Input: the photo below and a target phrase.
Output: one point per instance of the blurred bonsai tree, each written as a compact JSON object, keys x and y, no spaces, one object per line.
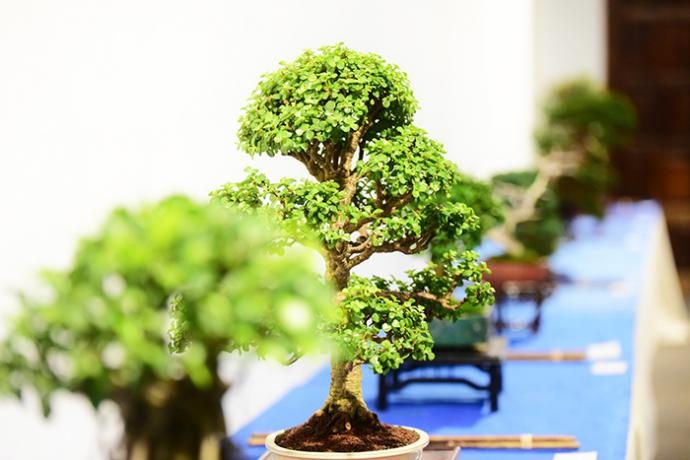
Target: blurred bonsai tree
{"x":585,"y":120}
{"x":375,"y":188}
{"x":486,"y":204}
{"x":582,"y":121}
{"x":102,"y":331}
{"x":532,"y":225}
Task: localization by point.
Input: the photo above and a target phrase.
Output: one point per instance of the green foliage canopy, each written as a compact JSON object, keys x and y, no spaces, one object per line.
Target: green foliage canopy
{"x":102,"y":331}
{"x":322,"y":97}
{"x":381,"y":185}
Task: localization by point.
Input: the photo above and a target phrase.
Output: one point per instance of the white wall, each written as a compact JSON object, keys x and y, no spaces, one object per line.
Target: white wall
{"x":113,"y":102}
{"x":110,"y":102}
{"x":570,"y":41}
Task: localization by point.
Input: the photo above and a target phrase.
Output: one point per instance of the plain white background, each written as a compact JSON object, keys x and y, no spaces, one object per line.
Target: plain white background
{"x":117,"y":102}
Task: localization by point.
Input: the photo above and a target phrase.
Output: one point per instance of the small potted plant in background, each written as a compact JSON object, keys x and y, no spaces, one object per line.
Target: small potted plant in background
{"x":102,"y":330}
{"x":581,"y":116}
{"x":375,"y":188}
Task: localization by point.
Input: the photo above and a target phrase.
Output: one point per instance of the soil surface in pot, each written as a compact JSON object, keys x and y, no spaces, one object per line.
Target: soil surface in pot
{"x":311,"y":438}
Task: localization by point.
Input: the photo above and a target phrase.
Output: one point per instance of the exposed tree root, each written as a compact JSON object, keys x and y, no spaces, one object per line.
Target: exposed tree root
{"x":334,"y":430}
{"x":345,"y":423}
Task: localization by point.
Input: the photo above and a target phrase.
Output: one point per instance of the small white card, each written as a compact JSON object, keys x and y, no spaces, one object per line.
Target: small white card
{"x":609,"y":368}
{"x":604,"y":350}
{"x":576,"y":456}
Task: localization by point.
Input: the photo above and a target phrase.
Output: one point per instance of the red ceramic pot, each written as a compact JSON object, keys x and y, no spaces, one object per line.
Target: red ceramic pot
{"x":503,"y":271}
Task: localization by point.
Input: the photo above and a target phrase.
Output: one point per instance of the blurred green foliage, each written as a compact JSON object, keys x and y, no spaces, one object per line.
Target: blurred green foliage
{"x":540,"y":234}
{"x":101,"y":331}
{"x":582,"y":116}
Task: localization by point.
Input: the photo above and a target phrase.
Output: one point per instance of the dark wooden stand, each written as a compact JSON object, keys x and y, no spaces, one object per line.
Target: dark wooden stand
{"x":527,"y":291}
{"x":488,"y":360}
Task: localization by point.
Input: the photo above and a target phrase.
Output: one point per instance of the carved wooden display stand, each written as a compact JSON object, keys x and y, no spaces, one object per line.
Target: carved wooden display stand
{"x":526,"y":291}
{"x":487,"y":359}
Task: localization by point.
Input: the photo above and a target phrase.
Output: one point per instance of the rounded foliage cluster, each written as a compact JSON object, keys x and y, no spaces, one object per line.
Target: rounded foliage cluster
{"x":322,"y":96}
{"x":381,"y":330}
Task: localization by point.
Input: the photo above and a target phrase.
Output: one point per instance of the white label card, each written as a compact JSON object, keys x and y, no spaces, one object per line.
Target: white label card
{"x":576,"y":456}
{"x":604,"y":350}
{"x":609,"y":368}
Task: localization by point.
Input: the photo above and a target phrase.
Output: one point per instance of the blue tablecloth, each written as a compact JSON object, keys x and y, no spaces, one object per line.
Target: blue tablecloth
{"x":605,"y":260}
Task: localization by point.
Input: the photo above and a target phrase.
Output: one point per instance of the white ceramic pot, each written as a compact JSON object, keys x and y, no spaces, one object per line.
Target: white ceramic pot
{"x":409,"y":452}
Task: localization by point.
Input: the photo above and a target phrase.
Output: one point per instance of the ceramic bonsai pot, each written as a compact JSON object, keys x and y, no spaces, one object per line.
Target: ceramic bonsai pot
{"x":409,"y":452}
{"x":463,"y":332}
{"x":503,"y":271}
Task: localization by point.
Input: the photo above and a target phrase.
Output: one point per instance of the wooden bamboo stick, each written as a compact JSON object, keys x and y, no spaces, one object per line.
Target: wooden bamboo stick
{"x":524,"y":441}
{"x":501,"y":437}
{"x":551,"y":355}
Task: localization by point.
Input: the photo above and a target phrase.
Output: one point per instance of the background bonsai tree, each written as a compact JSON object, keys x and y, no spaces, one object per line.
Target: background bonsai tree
{"x":585,"y":119}
{"x":379,"y":184}
{"x":532,"y":226}
{"x":102,"y":332}
{"x":573,"y":172}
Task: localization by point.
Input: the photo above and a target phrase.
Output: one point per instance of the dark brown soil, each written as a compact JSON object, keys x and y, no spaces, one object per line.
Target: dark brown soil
{"x":304,"y":437}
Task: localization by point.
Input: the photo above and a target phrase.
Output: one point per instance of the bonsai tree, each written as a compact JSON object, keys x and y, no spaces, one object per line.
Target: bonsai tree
{"x":378,"y":184}
{"x":573,"y":173}
{"x":102,"y":331}
{"x":585,"y":120}
{"x":532,"y":226}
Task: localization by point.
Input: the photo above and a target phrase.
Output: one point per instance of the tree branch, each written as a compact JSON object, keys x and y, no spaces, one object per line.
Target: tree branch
{"x":444,"y":301}
{"x":361,"y":257}
{"x":396,"y":203}
{"x":354,"y":142}
{"x":353,"y":248}
{"x":378,"y":199}
{"x":523,"y":203}
{"x":312,"y":161}
{"x":407,"y":245}
{"x":388,"y":208}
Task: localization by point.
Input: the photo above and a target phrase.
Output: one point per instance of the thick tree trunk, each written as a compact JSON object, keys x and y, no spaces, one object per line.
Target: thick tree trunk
{"x":345,"y":407}
{"x":180,"y":422}
{"x":203,"y":443}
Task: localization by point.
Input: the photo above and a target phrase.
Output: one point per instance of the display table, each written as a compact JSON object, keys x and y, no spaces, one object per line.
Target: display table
{"x":623,"y":288}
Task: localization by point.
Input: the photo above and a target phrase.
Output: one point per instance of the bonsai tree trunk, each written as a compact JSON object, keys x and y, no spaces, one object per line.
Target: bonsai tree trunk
{"x":176,"y":421}
{"x":345,"y":408}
